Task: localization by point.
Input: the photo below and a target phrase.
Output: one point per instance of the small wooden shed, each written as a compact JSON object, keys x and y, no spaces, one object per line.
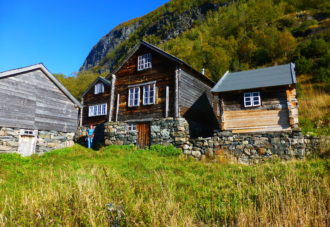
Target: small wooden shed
{"x":257,"y":100}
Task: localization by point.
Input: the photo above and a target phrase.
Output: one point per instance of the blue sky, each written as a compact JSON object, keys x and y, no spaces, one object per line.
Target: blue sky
{"x":60,"y":33}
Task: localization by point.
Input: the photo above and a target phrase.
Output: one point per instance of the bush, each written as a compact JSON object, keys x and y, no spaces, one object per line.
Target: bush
{"x":304,"y":65}
{"x":322,"y":75}
{"x":165,"y":150}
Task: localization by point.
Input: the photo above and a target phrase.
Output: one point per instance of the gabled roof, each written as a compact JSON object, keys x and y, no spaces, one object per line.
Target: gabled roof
{"x":163,"y":53}
{"x":258,"y":78}
{"x":105,"y":81}
{"x":41,"y":67}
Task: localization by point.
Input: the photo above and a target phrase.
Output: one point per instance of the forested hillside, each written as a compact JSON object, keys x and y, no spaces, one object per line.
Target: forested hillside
{"x":232,"y":35}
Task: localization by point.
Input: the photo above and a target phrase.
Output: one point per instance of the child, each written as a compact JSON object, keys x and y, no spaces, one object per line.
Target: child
{"x":90,"y":134}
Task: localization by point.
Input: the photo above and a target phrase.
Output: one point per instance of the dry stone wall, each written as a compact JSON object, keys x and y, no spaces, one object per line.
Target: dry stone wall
{"x":245,"y":148}
{"x":46,"y":140}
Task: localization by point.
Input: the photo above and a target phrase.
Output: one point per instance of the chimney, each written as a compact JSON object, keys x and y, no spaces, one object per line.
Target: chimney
{"x":203,"y":71}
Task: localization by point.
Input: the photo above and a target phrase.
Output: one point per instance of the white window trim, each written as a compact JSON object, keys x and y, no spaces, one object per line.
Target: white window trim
{"x":250,"y":99}
{"x":98,"y":88}
{"x":129,"y":97}
{"x":132,"y":127}
{"x":144,"y":62}
{"x":98,"y":110}
{"x":144,"y":94}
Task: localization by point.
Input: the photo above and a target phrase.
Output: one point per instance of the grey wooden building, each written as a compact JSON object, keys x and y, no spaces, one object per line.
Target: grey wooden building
{"x":36,"y":111}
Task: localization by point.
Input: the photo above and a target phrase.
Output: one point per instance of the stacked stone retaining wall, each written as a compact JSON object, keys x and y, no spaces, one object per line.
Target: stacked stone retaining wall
{"x":245,"y":148}
{"x":46,"y":140}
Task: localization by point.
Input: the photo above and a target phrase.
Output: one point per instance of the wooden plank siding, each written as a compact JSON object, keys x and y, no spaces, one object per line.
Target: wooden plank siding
{"x":31,"y":100}
{"x":162,"y":72}
{"x":91,"y":99}
{"x":272,"y":115}
{"x":196,"y":105}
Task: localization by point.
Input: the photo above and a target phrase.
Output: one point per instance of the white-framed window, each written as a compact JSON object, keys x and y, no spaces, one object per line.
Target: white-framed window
{"x":149,"y":94}
{"x":98,"y":88}
{"x":132,"y":127}
{"x":252,"y":99}
{"x":144,"y":62}
{"x":134,"y":96}
{"x":97,"y":110}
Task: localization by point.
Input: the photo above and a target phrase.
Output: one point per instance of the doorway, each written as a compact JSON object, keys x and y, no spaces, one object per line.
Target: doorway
{"x":27,"y":142}
{"x":143,"y":134}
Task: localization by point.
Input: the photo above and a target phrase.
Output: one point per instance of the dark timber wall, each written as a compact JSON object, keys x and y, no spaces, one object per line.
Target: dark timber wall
{"x":162,"y":72}
{"x":32,"y":101}
{"x":91,"y":99}
{"x":195,"y":104}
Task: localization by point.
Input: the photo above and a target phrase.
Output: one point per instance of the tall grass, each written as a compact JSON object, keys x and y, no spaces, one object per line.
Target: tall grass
{"x":72,"y":187}
{"x":314,"y":109}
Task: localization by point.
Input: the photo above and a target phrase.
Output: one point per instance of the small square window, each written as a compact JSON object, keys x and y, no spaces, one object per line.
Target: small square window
{"x":252,"y":99}
{"x":132,"y":127}
{"x":99,"y":88}
{"x":144,"y":62}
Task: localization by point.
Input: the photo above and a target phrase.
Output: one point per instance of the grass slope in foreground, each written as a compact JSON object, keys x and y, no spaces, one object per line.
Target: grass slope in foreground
{"x":159,"y":187}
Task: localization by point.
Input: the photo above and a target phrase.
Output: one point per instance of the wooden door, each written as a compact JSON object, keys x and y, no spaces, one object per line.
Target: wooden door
{"x":143,"y":134}
{"x":27,"y":142}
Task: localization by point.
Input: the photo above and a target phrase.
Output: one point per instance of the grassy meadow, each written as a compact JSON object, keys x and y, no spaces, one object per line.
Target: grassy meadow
{"x":159,"y":187}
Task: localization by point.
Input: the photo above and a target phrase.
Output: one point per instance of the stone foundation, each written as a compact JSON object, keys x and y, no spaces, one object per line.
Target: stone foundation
{"x":245,"y":148}
{"x":255,"y":147}
{"x":46,"y":140}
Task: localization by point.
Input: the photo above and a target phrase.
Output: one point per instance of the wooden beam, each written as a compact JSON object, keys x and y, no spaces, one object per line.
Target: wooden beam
{"x":222,"y":115}
{"x":117,"y":108}
{"x":112,"y":98}
{"x":81,"y":112}
{"x":176,"y":94}
{"x":167,"y":101}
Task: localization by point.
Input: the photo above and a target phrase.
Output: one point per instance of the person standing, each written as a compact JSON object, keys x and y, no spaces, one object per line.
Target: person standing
{"x":90,"y":134}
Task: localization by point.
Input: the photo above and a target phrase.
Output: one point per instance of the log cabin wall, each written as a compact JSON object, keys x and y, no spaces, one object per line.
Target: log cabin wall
{"x":195,"y":104}
{"x":32,"y":101}
{"x":162,"y":71}
{"x":272,"y":115}
{"x":90,"y":99}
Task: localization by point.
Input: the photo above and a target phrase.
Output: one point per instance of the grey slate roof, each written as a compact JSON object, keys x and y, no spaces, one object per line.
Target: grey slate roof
{"x":265,"y":77}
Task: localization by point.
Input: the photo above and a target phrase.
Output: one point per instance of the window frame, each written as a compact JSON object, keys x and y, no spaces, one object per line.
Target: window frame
{"x":148,"y":98}
{"x":144,"y":62}
{"x":132,"y":127}
{"x":133,"y":95}
{"x":98,"y":110}
{"x":248,"y":97}
{"x":98,"y":88}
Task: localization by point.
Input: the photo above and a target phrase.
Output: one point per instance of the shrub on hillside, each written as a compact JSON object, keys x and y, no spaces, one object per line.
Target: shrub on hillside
{"x":165,"y":150}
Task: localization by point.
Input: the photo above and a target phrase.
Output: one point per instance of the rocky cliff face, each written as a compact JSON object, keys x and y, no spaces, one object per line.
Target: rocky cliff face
{"x":108,"y":43}
{"x":165,"y":27}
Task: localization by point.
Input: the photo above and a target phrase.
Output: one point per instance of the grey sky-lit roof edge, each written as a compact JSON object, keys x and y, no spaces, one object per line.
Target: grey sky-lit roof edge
{"x":263,"y":77}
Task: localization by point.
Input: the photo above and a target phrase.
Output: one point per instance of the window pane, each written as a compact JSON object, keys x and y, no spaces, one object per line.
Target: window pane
{"x":248,"y":103}
{"x":247,"y":94}
{"x":255,"y":93}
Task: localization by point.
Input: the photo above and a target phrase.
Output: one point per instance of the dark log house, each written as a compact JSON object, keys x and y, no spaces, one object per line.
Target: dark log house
{"x":151,"y":84}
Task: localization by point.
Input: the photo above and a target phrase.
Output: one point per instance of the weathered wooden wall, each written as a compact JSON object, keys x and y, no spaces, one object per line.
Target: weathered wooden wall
{"x":90,"y":99}
{"x":272,"y":115}
{"x":32,"y":101}
{"x":196,"y":104}
{"x":162,"y":72}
